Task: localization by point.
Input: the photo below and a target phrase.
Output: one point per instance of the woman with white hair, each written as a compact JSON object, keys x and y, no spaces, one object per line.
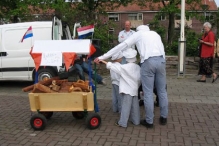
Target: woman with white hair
{"x":207,"y":52}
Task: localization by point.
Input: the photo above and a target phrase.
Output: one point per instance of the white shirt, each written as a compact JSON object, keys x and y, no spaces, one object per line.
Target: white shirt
{"x":114,"y":76}
{"x":123,"y":35}
{"x":148,"y":44}
{"x":129,"y":81}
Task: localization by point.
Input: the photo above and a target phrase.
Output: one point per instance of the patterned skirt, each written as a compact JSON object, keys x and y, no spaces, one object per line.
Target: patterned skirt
{"x":205,"y":66}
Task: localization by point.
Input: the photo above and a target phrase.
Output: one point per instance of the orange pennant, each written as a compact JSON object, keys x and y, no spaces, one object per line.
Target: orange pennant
{"x":92,"y":50}
{"x":37,"y":59}
{"x":69,"y":58}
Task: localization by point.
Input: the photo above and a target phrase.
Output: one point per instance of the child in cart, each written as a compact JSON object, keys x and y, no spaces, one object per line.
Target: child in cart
{"x":128,"y":87}
{"x":116,"y":97}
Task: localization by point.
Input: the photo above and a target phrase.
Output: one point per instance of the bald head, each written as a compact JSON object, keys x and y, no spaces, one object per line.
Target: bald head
{"x":127,"y":25}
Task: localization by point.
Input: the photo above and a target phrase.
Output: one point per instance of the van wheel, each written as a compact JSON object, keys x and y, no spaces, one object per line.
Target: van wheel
{"x":45,"y":73}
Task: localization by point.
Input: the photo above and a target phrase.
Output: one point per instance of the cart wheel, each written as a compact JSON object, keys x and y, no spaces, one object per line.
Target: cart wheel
{"x":48,"y":115}
{"x":78,"y":115}
{"x":93,"y":121}
{"x":38,"y":122}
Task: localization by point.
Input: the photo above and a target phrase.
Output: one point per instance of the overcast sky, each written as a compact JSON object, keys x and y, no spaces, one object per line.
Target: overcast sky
{"x":217,"y":2}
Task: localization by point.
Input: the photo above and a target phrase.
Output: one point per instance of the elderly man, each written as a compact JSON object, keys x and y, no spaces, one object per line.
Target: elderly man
{"x":124,"y":34}
{"x":153,"y":70}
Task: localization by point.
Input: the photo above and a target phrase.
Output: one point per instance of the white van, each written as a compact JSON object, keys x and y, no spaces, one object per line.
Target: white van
{"x":15,"y":60}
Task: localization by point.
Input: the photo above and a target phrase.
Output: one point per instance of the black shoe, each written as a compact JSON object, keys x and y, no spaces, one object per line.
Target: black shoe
{"x":163,"y":121}
{"x":202,"y":81}
{"x":117,"y":124}
{"x":147,"y":125}
{"x":215,"y":79}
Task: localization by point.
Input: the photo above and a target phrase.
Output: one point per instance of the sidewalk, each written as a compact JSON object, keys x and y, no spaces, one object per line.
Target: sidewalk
{"x":182,"y":90}
{"x":193,"y":120}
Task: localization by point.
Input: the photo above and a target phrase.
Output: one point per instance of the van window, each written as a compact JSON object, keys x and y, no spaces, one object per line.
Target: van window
{"x":12,"y":38}
{"x":56,"y":33}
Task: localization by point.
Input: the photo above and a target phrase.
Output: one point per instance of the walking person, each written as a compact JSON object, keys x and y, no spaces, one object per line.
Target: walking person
{"x":153,"y":70}
{"x":207,"y":53}
{"x":129,"y":83}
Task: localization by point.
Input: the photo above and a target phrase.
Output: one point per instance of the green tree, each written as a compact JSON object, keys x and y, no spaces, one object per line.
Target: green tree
{"x":87,"y":12}
{"x":171,"y":8}
{"x":11,"y":10}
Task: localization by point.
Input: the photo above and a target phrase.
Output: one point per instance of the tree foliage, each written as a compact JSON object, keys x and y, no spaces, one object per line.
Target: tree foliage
{"x":91,"y":11}
{"x":10,"y":10}
{"x":171,"y":8}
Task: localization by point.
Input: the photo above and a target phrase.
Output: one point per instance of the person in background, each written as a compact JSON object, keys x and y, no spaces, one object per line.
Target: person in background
{"x":153,"y":70}
{"x":129,"y":83}
{"x":207,"y":53}
{"x":116,"y":97}
{"x":124,"y":34}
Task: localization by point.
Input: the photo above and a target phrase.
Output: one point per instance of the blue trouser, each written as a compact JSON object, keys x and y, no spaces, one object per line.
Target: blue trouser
{"x":85,"y":68}
{"x":123,"y":60}
{"x":116,"y":98}
{"x":130,"y":108}
{"x":153,"y":70}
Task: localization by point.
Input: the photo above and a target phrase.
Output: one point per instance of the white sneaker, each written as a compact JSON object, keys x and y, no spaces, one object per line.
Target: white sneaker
{"x":103,"y":83}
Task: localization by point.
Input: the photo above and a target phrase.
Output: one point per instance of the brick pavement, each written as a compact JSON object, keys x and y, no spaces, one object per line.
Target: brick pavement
{"x":192,"y":121}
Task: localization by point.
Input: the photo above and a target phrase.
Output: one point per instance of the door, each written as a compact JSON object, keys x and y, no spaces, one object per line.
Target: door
{"x":56,"y":29}
{"x":60,"y":30}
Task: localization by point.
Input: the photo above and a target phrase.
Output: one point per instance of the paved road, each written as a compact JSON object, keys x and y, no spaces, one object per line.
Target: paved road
{"x":193,"y":119}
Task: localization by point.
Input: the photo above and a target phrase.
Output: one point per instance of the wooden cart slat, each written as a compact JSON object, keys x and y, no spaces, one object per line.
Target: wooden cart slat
{"x":76,"y":101}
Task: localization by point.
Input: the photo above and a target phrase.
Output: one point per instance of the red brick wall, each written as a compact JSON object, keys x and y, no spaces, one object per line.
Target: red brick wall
{"x":148,"y":17}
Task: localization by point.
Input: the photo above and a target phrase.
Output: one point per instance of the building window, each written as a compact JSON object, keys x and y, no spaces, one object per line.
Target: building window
{"x":209,"y":16}
{"x":113,"y":17}
{"x":162,"y":17}
{"x":177,"y":17}
{"x":188,"y":18}
{"x":135,"y":16}
{"x":110,"y":36}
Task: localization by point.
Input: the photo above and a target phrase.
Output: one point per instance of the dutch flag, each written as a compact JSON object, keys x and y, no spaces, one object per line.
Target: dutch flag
{"x":85,"y":31}
{"x":28,"y":34}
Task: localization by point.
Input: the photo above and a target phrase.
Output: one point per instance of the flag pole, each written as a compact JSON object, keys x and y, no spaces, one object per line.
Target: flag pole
{"x":36,"y":73}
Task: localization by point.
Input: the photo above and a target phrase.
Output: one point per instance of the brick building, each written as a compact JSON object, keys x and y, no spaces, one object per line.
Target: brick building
{"x":143,"y":15}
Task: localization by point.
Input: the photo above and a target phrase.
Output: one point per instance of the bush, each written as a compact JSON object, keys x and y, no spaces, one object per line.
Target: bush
{"x":191,"y":44}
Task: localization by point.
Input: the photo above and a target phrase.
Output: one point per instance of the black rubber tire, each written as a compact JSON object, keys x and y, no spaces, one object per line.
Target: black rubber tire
{"x":45,"y":73}
{"x":78,"y":115}
{"x":38,"y":122}
{"x":48,"y":115}
{"x":93,"y":121}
